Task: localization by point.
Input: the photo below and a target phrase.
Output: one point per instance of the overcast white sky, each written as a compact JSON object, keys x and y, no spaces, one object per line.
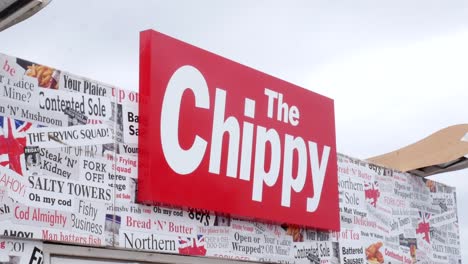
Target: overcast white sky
{"x":397,"y":69}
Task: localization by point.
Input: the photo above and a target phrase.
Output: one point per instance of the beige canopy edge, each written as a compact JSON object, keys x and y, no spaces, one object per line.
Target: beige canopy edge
{"x":445,"y":150}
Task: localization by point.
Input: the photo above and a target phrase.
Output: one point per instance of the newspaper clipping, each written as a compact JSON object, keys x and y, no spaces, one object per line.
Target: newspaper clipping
{"x":69,"y":169}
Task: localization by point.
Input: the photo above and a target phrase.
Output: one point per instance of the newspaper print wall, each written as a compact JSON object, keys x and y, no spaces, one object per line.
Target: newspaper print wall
{"x":68,"y":156}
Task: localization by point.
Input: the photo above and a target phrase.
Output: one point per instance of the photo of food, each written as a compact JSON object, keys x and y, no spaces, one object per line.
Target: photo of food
{"x":413,"y":253}
{"x":44,"y":75}
{"x":431,"y":185}
{"x":373,"y":255}
{"x":47,"y":77}
{"x":295,"y":232}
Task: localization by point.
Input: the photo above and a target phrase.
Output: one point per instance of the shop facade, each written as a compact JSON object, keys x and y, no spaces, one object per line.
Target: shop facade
{"x":71,"y":190}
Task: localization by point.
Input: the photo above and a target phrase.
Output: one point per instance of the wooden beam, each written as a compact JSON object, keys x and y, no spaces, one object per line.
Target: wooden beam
{"x":439,"y":149}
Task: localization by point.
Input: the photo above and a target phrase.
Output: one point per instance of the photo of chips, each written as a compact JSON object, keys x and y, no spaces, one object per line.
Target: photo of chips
{"x":43,"y":74}
{"x":373,"y":254}
{"x":295,"y":232}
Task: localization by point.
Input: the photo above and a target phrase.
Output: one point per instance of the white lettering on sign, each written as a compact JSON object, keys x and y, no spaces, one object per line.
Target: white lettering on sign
{"x":284,"y":113}
{"x":185,"y":161}
{"x":182,"y":161}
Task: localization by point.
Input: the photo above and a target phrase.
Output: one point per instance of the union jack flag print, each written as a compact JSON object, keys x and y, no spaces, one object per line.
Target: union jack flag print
{"x":372,"y":193}
{"x":423,"y":226}
{"x":192,"y":246}
{"x":12,"y":143}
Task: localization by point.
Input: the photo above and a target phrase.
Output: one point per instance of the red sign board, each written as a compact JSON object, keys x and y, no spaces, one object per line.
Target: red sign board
{"x":217,"y":135}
